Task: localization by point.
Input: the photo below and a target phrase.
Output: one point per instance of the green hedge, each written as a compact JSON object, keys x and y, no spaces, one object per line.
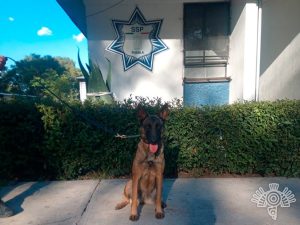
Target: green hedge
{"x":47,"y":140}
{"x":21,"y":135}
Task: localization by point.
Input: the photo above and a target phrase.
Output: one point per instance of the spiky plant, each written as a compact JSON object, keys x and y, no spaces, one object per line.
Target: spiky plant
{"x":94,"y":79}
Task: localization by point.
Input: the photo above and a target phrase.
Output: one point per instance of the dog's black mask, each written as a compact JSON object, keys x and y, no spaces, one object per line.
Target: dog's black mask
{"x":151,"y":126}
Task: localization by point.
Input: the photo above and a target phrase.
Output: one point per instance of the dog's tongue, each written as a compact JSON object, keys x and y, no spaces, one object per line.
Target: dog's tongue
{"x":153,"y":148}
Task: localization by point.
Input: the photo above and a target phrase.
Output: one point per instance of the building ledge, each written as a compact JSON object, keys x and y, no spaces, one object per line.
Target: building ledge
{"x":207,"y":80}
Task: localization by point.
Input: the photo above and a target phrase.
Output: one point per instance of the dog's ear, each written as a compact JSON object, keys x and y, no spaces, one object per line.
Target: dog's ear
{"x":164,"y":112}
{"x":141,"y":113}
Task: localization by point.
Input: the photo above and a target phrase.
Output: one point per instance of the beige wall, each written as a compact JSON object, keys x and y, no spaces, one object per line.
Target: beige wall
{"x":280,"y":50}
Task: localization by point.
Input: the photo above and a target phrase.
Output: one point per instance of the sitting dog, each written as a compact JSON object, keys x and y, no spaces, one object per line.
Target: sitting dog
{"x":148,"y":165}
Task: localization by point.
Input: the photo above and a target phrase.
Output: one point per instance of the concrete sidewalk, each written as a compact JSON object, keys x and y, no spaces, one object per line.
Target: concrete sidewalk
{"x":207,"y":201}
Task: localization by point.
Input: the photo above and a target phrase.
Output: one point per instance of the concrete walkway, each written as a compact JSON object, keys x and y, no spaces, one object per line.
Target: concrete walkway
{"x":207,"y":201}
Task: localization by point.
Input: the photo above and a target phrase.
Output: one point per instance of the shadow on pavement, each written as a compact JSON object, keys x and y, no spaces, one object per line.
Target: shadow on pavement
{"x":20,"y":192}
{"x":186,"y":205}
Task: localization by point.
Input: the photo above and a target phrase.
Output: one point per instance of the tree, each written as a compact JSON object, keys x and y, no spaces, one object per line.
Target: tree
{"x":58,"y":73}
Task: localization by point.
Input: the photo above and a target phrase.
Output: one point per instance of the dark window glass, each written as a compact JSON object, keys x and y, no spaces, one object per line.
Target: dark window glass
{"x":206,"y":36}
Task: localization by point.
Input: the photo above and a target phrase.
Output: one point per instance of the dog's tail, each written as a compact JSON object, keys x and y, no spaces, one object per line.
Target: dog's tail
{"x":122,"y":204}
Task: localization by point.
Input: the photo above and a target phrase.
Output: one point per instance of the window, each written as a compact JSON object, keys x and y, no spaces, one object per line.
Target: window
{"x":206,"y":40}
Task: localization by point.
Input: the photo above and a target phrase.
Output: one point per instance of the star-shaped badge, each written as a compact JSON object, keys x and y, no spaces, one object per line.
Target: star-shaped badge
{"x":137,"y":40}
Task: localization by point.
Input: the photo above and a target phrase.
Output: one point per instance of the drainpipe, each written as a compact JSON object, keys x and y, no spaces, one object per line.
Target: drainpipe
{"x":258,"y":49}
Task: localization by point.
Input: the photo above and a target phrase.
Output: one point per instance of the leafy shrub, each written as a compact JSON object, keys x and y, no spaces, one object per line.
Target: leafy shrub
{"x":240,"y":138}
{"x":21,"y":134}
{"x":49,"y":140}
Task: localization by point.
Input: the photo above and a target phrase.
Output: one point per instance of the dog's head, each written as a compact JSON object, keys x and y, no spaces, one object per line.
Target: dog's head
{"x":151,"y":127}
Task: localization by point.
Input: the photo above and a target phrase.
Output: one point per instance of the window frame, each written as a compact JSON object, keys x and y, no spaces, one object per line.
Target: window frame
{"x":203,"y":60}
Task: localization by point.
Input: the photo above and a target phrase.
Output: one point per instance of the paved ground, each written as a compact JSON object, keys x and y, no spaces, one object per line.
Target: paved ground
{"x":207,"y":201}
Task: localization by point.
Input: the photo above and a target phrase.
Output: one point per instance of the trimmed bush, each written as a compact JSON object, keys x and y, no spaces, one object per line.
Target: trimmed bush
{"x":48,"y":140}
{"x":21,"y":135}
{"x":261,"y":138}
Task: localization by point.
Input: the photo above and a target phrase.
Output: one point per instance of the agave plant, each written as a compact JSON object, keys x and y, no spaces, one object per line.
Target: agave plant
{"x":94,"y":80}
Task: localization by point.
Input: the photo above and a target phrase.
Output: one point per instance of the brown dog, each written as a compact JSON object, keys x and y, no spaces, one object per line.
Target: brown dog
{"x":148,"y":165}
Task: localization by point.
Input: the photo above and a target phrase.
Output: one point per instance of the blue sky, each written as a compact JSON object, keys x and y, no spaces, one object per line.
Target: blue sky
{"x":41,"y":27}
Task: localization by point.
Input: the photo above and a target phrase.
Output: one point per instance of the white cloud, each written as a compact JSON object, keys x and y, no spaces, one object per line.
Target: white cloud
{"x":44,"y":31}
{"x":11,"y":19}
{"x":79,"y":38}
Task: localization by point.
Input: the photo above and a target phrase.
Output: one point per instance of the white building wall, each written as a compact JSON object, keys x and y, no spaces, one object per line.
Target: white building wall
{"x":276,"y":63}
{"x":251,"y":51}
{"x":82,"y":90}
{"x":243,"y":50}
{"x":280,"y":50}
{"x":166,"y":78}
{"x":236,"y":51}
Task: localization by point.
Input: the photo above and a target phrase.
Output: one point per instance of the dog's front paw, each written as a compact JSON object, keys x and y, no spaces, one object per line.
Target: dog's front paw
{"x":159,"y":215}
{"x":134,"y":217}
